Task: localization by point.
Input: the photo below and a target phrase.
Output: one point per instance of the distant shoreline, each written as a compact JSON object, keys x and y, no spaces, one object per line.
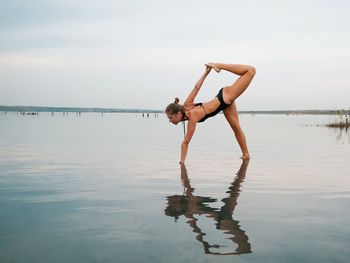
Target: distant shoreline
{"x":113,"y":110}
{"x":71,"y":109}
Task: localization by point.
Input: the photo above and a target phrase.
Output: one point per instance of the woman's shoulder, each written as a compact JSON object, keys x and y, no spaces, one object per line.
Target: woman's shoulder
{"x":189,"y":106}
{"x":194,"y":113}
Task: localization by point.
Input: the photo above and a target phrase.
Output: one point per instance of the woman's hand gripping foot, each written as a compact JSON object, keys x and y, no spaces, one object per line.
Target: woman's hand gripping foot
{"x":214,"y":66}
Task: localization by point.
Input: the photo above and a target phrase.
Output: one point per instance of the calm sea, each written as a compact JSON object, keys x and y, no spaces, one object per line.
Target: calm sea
{"x":108,"y":188}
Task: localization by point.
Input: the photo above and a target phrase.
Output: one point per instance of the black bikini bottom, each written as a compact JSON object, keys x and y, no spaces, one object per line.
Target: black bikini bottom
{"x":221,"y":107}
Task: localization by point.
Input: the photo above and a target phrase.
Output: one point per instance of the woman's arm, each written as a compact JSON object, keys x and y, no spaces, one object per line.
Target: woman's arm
{"x":191,"y":127}
{"x":197,"y":87}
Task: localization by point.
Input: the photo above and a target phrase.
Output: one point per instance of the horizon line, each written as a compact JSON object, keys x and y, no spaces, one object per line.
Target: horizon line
{"x":22,"y":108}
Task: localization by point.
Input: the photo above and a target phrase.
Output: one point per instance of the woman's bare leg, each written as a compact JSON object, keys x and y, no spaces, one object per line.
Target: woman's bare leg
{"x":246,"y":73}
{"x":231,"y":115}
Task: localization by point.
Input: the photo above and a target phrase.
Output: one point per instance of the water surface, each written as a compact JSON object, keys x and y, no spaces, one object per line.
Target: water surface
{"x":109,"y":188}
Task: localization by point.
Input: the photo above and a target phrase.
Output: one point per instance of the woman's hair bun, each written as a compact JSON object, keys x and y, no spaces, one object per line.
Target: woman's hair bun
{"x":176,"y":100}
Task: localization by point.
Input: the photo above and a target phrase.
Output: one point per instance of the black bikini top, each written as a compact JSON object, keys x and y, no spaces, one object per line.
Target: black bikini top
{"x":206,"y":115}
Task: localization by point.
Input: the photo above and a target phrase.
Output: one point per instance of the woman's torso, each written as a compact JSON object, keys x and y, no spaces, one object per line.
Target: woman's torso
{"x":201,"y":110}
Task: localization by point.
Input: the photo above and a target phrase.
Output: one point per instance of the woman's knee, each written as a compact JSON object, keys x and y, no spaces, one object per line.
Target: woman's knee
{"x":235,"y":126}
{"x":252,"y":70}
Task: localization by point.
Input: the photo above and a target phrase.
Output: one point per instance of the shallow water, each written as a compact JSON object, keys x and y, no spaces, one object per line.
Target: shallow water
{"x":109,"y":189}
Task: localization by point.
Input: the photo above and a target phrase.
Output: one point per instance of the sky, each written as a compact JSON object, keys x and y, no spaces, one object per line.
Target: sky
{"x":143,"y":54}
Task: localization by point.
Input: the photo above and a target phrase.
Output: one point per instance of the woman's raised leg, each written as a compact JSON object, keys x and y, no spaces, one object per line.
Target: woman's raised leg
{"x":231,"y":115}
{"x":246,"y":73}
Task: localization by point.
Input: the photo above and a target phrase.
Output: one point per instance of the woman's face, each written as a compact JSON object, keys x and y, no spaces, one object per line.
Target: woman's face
{"x":174,"y":118}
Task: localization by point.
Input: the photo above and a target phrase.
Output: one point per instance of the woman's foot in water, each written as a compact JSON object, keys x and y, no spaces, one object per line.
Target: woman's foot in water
{"x":214,"y":66}
{"x":245,"y":157}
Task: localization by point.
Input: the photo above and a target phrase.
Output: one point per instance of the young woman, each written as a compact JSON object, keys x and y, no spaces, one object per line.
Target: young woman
{"x":224,"y":101}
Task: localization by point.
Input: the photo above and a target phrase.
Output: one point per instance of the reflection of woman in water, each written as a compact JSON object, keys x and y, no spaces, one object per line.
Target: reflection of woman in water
{"x":190,"y":205}
{"x":224,"y":101}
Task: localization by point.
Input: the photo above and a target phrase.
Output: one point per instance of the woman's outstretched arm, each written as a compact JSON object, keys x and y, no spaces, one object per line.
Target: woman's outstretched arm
{"x":197,"y":87}
{"x":191,"y":127}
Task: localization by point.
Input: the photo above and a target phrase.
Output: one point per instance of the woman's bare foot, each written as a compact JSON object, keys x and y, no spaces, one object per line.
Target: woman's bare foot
{"x":245,"y":157}
{"x":214,"y":66}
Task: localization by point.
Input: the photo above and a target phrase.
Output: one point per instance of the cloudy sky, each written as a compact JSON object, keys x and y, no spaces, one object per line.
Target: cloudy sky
{"x":141,"y":54}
